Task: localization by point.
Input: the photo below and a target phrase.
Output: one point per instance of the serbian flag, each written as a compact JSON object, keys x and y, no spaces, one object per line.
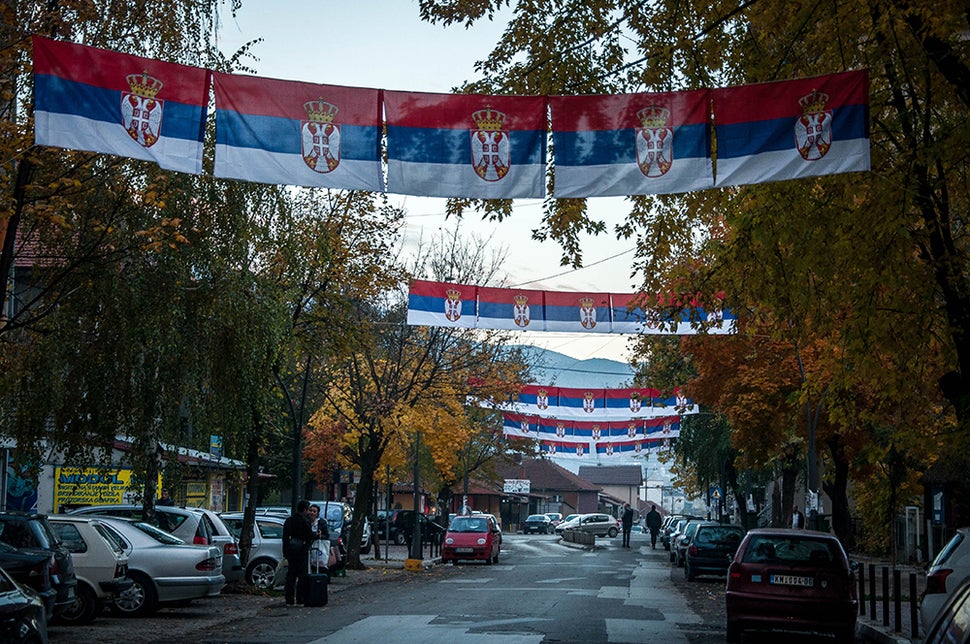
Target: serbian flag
{"x":288,"y":132}
{"x":577,"y":312}
{"x":662,"y":429}
{"x":564,"y":448}
{"x":464,"y":145}
{"x":792,"y":129}
{"x":442,"y":304}
{"x":519,"y":425}
{"x":630,"y":317}
{"x":631,"y":447}
{"x":103,"y":101}
{"x":631,"y":144}
{"x":511,"y":309}
{"x":635,"y":402}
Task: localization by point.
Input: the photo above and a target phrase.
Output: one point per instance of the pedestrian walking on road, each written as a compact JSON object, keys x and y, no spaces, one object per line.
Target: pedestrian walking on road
{"x":627,"y":521}
{"x":297,"y":537}
{"x":653,"y":525}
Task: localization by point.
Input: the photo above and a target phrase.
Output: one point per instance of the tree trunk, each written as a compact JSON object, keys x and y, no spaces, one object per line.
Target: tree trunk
{"x":365,"y":488}
{"x":252,"y":491}
{"x":837,"y":492}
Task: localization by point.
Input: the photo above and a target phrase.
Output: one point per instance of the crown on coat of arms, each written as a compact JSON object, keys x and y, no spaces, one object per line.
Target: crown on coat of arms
{"x":634,"y":395}
{"x":320,"y":111}
{"x":521,"y":300}
{"x":589,"y":395}
{"x":144,"y":85}
{"x":653,"y":116}
{"x":542,"y":393}
{"x":489,"y":119}
{"x":586,"y":302}
{"x":814,"y":102}
{"x":453,"y":294}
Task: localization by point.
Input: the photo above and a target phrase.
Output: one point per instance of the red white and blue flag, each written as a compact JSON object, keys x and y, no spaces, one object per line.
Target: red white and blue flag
{"x":577,"y":312}
{"x":289,"y":132}
{"x":107,"y":102}
{"x":631,"y":144}
{"x":511,"y":309}
{"x":595,"y":404}
{"x":792,"y":129}
{"x":465,"y":145}
{"x":442,"y":304}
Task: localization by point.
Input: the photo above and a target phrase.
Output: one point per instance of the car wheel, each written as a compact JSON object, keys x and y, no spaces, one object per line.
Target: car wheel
{"x":137,"y":601}
{"x":365,"y":549}
{"x":613,"y":532}
{"x":689,"y":572}
{"x":399,"y":538}
{"x":733,"y":634}
{"x":261,"y":574}
{"x":83,"y":610}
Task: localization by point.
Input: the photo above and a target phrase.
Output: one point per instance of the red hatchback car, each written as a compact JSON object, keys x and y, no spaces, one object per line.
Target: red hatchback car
{"x":475,"y":537}
{"x":793,"y":580}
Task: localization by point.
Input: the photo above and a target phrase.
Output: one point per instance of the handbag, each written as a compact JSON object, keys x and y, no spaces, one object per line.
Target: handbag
{"x":334,"y":558}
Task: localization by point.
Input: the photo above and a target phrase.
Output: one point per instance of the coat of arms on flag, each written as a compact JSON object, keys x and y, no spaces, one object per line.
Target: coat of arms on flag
{"x":813,"y":130}
{"x":635,"y":402}
{"x":631,"y":430}
{"x":141,"y":110}
{"x":589,"y":402}
{"x":542,"y":399}
{"x":520,"y":311}
{"x":560,"y":430}
{"x":587,"y":312}
{"x":452,"y":304}
{"x":321,"y":136}
{"x":491,"y":152}
{"x":596,"y":432}
{"x":655,"y":141}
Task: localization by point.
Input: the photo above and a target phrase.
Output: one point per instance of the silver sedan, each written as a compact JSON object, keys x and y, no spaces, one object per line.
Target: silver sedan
{"x":164,"y":568}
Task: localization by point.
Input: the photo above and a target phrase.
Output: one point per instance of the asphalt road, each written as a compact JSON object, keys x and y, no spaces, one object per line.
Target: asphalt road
{"x":542,"y":590}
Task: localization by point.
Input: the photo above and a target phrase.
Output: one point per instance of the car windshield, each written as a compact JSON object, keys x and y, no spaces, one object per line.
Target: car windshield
{"x":792,"y":550}
{"x":717,"y":535}
{"x":469,"y":524}
{"x":158,"y":535}
{"x":537,"y":517}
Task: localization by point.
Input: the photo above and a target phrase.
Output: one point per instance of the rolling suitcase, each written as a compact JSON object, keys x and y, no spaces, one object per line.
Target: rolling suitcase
{"x":315,"y":591}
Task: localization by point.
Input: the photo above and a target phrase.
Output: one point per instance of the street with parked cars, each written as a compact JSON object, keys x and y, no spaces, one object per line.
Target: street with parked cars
{"x":764,"y":583}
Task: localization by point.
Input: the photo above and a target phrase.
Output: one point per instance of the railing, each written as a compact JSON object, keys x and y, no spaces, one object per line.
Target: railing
{"x":890,"y":597}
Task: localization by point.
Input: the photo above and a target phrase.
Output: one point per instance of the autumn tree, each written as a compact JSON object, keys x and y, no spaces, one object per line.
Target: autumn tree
{"x":868,"y":268}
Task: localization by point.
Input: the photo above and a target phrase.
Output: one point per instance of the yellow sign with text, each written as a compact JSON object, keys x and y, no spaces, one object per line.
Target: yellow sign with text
{"x":77,"y":487}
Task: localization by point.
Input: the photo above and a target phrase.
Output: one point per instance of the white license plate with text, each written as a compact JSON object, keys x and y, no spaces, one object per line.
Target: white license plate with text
{"x":792,"y":580}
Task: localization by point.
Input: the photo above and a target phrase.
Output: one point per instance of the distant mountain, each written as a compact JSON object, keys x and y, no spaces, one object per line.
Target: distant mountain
{"x":558,"y":369}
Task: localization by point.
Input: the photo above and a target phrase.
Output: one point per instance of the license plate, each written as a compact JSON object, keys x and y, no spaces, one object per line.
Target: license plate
{"x":791,"y":580}
{"x":464,"y":550}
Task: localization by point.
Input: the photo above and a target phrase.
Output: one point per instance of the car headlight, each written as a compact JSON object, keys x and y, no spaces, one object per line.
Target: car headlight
{"x":481,"y":541}
{"x":449,"y":541}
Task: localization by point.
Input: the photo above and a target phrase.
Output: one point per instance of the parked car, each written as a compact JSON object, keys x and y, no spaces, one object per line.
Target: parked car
{"x":100,"y":565}
{"x":339,"y":517}
{"x":31,"y":568}
{"x":23,"y":530}
{"x":711,"y":550}
{"x":952,"y":622}
{"x":401,"y":526}
{"x":601,"y":525}
{"x":679,"y":547}
{"x":568,"y":523}
{"x":555,"y":517}
{"x":498,"y":524}
{"x":670,"y":523}
{"x":538,"y":523}
{"x":949,"y":570}
{"x":670,"y":535}
{"x":474,"y":537}
{"x":198,"y":526}
{"x":23,"y":618}
{"x":163,"y":568}
{"x":266,"y":551}
{"x":792,"y":580}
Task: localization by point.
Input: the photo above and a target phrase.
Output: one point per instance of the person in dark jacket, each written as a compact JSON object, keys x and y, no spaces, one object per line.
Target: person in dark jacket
{"x":627,"y":520}
{"x":297,"y":537}
{"x":653,"y":521}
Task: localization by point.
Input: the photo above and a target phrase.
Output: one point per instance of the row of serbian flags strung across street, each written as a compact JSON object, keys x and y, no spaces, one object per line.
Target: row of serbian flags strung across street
{"x":605,"y":422}
{"x":448,"y":145}
{"x":481,"y":307}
